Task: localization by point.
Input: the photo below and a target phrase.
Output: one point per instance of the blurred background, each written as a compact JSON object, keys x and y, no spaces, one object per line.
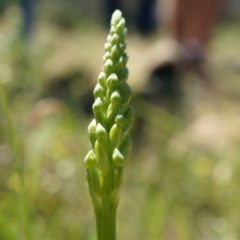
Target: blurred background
{"x":182,"y":179}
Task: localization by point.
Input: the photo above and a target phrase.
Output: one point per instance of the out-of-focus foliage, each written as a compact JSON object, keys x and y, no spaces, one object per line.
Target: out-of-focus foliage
{"x":182,"y":180}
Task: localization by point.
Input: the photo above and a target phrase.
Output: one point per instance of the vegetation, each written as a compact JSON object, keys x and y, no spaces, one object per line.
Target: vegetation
{"x":182,"y":181}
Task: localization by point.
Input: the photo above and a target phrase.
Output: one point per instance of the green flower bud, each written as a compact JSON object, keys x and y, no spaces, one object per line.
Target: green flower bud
{"x":114,"y":52}
{"x":116,"y":17}
{"x":123,"y":75}
{"x":115,"y":132}
{"x":117,"y":183}
{"x":125,"y":152}
{"x":107,"y":46}
{"x":115,"y":39}
{"x":109,"y":37}
{"x":92,"y":126}
{"x":112,"y":30}
{"x":127,"y":142}
{"x":102,"y":156}
{"x":124,"y":58}
{"x":99,"y":91}
{"x":106,"y":56}
{"x":119,"y":66}
{"x":126,"y":145}
{"x":108,"y":66}
{"x":129,"y":116}
{"x":126,"y":94}
{"x":113,"y":108}
{"x":112,"y":112}
{"x":122,"y":36}
{"x":98,"y":111}
{"x":118,"y":159}
{"x":120,"y":120}
{"x":90,"y":161}
{"x":91,"y":132}
{"x":125,"y":90}
{"x":130,"y":113}
{"x":97,"y":105}
{"x":118,"y":172}
{"x":120,"y":26}
{"x":102,"y":79}
{"x":101,"y":132}
{"x":115,"y":98}
{"x":122,"y":46}
{"x":115,"y":136}
{"x":112,"y":80}
{"x":94,"y":181}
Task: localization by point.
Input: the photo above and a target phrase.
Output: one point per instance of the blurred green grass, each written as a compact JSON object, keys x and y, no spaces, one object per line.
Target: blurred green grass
{"x":182,"y":180}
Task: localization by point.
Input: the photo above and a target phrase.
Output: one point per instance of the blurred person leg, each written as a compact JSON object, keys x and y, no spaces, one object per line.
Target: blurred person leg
{"x":191,"y":25}
{"x":27,"y":9}
{"x":146,"y":19}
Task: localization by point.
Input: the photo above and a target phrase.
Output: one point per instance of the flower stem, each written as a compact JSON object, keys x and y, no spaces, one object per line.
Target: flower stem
{"x":109,"y":130}
{"x":113,"y":210}
{"x":105,"y":205}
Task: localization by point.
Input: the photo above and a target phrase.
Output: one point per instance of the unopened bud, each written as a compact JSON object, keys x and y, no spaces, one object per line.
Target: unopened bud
{"x":127,"y":143}
{"x":108,"y":66}
{"x":97,"y":105}
{"x":98,"y":91}
{"x":116,"y":17}
{"x":107,"y":46}
{"x":94,"y":181}
{"x":126,"y":94}
{"x":115,"y":132}
{"x":116,"y":98}
{"x":91,"y":132}
{"x":130,"y":113}
{"x":112,"y":80}
{"x":120,"y":26}
{"x":90,"y":161}
{"x":114,"y":52}
{"x":123,"y":34}
{"x":114,"y":39}
{"x":123,"y":74}
{"x":92,"y":126}
{"x":109,"y":37}
{"x":118,"y":159}
{"x":102,"y":156}
{"x":120,"y":120}
{"x":101,"y":132}
{"x":106,"y":56}
{"x":102,"y":79}
{"x":98,"y":111}
{"x":129,"y":116}
{"x":123,"y":46}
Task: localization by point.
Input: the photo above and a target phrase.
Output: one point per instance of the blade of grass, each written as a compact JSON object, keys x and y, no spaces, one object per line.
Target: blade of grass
{"x":21,"y":197}
{"x":6,"y":232}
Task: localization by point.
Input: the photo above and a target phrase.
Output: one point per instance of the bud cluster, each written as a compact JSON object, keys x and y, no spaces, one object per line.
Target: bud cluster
{"x":113,"y":117}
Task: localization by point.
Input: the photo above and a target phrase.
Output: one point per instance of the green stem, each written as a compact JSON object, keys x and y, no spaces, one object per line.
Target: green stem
{"x":113,"y":211}
{"x":22,"y":199}
{"x":108,"y":215}
{"x":98,"y":217}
